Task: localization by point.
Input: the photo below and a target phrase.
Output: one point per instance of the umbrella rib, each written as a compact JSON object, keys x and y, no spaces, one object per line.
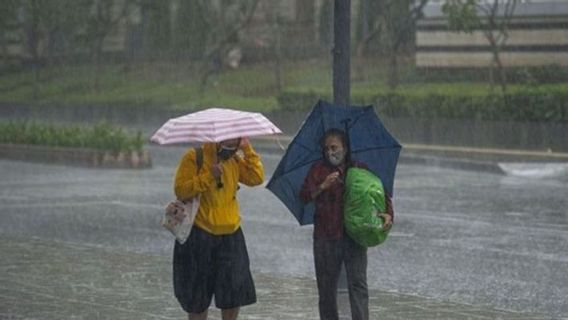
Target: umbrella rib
{"x":355,"y":121}
{"x":304,"y":146}
{"x":299,"y":166}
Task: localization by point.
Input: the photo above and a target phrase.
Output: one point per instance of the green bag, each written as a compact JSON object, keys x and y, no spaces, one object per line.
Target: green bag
{"x":364,"y":197}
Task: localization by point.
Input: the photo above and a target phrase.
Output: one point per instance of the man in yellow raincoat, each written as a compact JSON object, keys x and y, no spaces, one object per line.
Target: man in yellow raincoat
{"x":214,"y":260}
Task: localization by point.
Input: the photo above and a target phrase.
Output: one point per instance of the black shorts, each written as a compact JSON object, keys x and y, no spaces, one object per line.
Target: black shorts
{"x":207,"y":265}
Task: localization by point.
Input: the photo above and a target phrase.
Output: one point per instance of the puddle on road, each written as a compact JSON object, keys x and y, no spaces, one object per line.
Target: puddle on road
{"x":536,"y":170}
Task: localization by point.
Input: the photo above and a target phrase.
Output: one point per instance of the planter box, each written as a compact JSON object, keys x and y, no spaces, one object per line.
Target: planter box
{"x":75,"y":156}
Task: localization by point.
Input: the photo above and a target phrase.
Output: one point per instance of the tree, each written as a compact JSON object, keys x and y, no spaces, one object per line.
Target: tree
{"x":47,"y":28}
{"x":8,"y":27}
{"x":103,"y":18}
{"x":400,"y":22}
{"x":8,"y":13}
{"x":191,"y":28}
{"x":61,"y":20}
{"x":39,"y":19}
{"x":156,"y":23}
{"x":368,"y":25}
{"x":493,"y":19}
{"x":325,"y":23}
{"x":275,"y":42}
{"x":342,"y":52}
{"x":226,"y":19}
{"x":392,"y":22}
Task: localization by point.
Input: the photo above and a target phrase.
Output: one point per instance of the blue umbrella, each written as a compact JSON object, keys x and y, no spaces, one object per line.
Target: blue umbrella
{"x":369,"y":141}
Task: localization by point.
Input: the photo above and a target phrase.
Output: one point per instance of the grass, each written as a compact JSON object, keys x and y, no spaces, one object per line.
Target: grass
{"x":177,"y":86}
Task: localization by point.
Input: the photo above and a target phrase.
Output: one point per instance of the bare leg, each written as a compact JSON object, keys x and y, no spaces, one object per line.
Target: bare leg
{"x":230,"y":314}
{"x":197,"y":316}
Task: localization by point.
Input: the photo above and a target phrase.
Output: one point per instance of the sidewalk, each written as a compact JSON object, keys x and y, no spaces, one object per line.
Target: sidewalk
{"x":52,"y":280}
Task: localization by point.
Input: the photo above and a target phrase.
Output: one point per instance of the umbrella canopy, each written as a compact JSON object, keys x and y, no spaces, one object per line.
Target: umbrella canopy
{"x":214,"y":125}
{"x":369,"y":141}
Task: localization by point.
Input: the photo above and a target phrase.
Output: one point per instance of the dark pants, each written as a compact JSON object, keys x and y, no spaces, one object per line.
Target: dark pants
{"x":328,"y":257}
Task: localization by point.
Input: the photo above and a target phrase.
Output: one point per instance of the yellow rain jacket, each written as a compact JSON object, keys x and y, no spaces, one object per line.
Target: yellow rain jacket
{"x":218,"y":211}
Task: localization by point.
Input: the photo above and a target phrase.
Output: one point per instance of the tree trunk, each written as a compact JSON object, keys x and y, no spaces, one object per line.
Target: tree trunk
{"x":342,"y":52}
{"x":33,"y":38}
{"x":278,"y":57}
{"x":500,"y":70}
{"x":393,"y":78}
{"x":98,"y":67}
{"x":492,"y":78}
{"x":36,"y":78}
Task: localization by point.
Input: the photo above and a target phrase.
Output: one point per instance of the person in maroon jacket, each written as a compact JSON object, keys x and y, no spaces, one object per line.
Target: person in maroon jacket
{"x":332,"y":246}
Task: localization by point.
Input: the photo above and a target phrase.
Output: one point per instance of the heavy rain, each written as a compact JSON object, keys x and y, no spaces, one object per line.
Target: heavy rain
{"x":474,"y":91}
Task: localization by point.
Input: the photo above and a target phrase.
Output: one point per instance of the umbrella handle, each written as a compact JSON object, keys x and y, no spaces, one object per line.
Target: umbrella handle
{"x":219,"y":183}
{"x":280,"y":144}
{"x":218,"y":179}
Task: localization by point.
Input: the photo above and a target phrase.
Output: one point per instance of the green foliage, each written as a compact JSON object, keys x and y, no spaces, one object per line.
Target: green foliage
{"x":191,"y":28}
{"x":251,"y":87}
{"x":300,"y":100}
{"x":159,"y":33}
{"x":102,"y":136}
{"x":462,"y":15}
{"x":8,"y":14}
{"x":400,"y":22}
{"x":534,"y":75}
{"x":546,"y":104}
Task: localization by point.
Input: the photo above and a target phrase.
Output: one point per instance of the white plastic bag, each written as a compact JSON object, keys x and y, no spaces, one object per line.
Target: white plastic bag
{"x":179,"y":217}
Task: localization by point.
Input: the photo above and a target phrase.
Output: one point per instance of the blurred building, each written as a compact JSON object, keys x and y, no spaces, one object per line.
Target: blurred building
{"x":538,"y":36}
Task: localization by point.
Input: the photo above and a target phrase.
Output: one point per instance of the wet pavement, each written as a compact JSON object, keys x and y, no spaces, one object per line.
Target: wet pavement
{"x":43,"y":279}
{"x":82,"y":243}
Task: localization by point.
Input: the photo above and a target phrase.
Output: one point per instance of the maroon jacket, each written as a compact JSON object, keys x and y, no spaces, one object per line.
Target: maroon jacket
{"x":328,"y":218}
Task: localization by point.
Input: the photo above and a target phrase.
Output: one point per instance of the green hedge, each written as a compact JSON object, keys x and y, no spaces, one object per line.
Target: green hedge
{"x":518,"y":75}
{"x":101,"y":136}
{"x":528,"y":105}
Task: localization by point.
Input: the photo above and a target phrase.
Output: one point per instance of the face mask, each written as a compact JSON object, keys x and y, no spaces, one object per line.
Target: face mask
{"x":335,"y":158}
{"x":225,"y":153}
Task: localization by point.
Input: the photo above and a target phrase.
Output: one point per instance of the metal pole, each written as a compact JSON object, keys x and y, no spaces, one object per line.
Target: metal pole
{"x":341,"y":73}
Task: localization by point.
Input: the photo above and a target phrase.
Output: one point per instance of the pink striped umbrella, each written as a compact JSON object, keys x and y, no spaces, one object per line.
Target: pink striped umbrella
{"x":214,"y":125}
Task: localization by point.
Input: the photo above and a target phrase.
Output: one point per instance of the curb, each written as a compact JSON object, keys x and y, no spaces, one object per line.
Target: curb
{"x":443,"y":162}
{"x":463,"y":158}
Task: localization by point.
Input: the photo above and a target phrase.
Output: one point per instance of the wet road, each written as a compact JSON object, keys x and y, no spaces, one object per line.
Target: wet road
{"x":478,"y":238}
